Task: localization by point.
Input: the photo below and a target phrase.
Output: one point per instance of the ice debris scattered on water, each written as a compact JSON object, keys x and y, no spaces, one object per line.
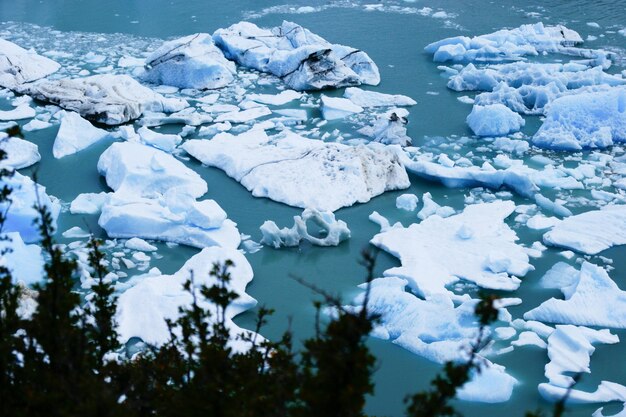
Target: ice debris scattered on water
{"x":332,"y":232}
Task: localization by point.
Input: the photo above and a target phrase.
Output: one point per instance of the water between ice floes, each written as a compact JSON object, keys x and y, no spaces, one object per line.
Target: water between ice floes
{"x":394,"y":35}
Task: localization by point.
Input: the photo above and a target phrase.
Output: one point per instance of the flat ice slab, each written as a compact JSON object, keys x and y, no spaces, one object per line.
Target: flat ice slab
{"x":190,"y":62}
{"x":303,"y":60}
{"x":75,"y":134}
{"x":303,"y":172}
{"x":591,"y":232}
{"x":19,"y":66}
{"x":143,"y":309}
{"x":475,"y":245}
{"x":104,"y":98}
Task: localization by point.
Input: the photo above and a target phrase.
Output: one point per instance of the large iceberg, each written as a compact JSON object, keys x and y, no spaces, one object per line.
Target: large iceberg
{"x":190,"y":62}
{"x":19,"y":66}
{"x":475,"y":245}
{"x":586,"y":120}
{"x":303,"y":172}
{"x":143,"y":308}
{"x":20,"y":212}
{"x":592,"y":298}
{"x":103,"y":98}
{"x":75,"y":134}
{"x":304,"y":61}
{"x":505,"y":44}
{"x":156,"y":198}
{"x":334,"y":231}
{"x":591,"y":232}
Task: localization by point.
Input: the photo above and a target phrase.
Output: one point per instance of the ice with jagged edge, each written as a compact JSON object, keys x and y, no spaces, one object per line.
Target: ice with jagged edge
{"x":437,"y":330}
{"x":142,"y":310}
{"x":303,"y":60}
{"x":20,"y":153}
{"x":303,"y":172}
{"x":192,"y":61}
{"x":334,"y":231}
{"x":105,"y":98}
{"x":155,"y":197}
{"x":389,"y":128}
{"x":570,"y":349}
{"x":494,"y":120}
{"x":75,"y":134}
{"x":20,"y":211}
{"x":590,"y":232}
{"x":505,"y":44}
{"x":24,"y":262}
{"x":591,"y":298}
{"x":19,"y":66}
{"x":475,"y":245}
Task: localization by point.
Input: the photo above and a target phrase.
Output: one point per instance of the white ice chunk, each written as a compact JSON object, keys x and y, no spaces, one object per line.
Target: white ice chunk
{"x":494,"y":120}
{"x":590,"y":232}
{"x":431,"y":208}
{"x":407,"y":202}
{"x":23,"y":111}
{"x":88,"y":203}
{"x":366,"y":98}
{"x":338,"y":108}
{"x":333,"y":231}
{"x":75,"y":134}
{"x":440,"y":251}
{"x":190,"y":62}
{"x":18,"y":66}
{"x":389,"y":129}
{"x":19,"y":153}
{"x":25,"y":262}
{"x":303,"y":172}
{"x":591,"y":299}
{"x":139,"y":244}
{"x":280,"y":99}
{"x":161,"y":141}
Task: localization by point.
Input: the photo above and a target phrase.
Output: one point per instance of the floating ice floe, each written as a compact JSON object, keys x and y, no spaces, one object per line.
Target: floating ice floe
{"x":591,"y":232}
{"x":505,"y":44}
{"x":88,"y":203}
{"x":23,"y":111}
{"x":24,"y":262}
{"x":190,"y":62}
{"x":279,"y":99}
{"x":104,"y":98}
{"x":143,"y":308}
{"x":430,"y":208}
{"x":21,"y":214}
{"x":75,"y":134}
{"x":591,"y":298}
{"x":366,"y":98}
{"x":158,"y":140}
{"x":494,"y":120}
{"x":436,"y":330}
{"x":389,"y":128}
{"x":475,"y":245}
{"x":337,"y":108}
{"x":19,"y":66}
{"x":586,"y":120}
{"x":155,"y":198}
{"x":303,"y":60}
{"x":407,"y":202}
{"x":333,"y":231}
{"x":20,"y":153}
{"x":303,"y":172}
{"x":570,"y":349}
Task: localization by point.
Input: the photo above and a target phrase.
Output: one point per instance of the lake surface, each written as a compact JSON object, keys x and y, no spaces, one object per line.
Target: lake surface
{"x":394,"y":35}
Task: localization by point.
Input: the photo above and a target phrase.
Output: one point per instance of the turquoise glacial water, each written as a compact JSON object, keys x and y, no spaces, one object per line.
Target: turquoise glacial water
{"x":394,"y":39}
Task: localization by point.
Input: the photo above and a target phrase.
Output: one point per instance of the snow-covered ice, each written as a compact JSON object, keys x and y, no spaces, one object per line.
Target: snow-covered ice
{"x":25,"y":262}
{"x":20,"y":153}
{"x":494,"y":120}
{"x":75,"y":134}
{"x":303,"y":172}
{"x":365,"y":98}
{"x":19,"y":66}
{"x":338,"y":108}
{"x":407,"y":202}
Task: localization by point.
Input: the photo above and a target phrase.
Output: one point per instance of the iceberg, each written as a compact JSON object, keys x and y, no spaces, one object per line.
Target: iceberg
{"x":505,"y":44}
{"x":302,"y":59}
{"x":20,"y":153}
{"x":19,"y":66}
{"x":334,"y":231}
{"x":591,"y":299}
{"x":366,"y":98}
{"x":75,"y":134}
{"x":407,"y":202}
{"x":389,"y":129}
{"x":190,"y":62}
{"x":586,"y":120}
{"x":475,"y":245}
{"x":337,"y":108}
{"x":143,"y":308}
{"x":494,"y":120}
{"x":303,"y":172}
{"x":21,"y":214}
{"x":590,"y":232}
{"x":23,"y":111}
{"x":103,"y":98}
{"x":158,"y":140}
{"x":24,"y":262}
